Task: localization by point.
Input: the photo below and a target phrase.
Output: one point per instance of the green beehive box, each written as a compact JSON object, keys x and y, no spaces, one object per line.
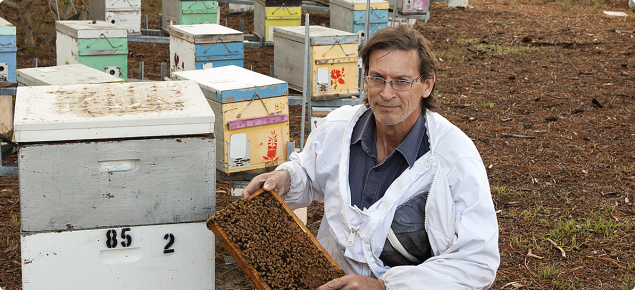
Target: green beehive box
{"x":97,"y":44}
{"x":177,"y":12}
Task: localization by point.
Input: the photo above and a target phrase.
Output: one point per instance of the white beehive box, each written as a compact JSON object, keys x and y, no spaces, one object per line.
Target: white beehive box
{"x":104,"y":155}
{"x":176,"y":256}
{"x":252,"y":116}
{"x":125,"y":13}
{"x":71,"y":74}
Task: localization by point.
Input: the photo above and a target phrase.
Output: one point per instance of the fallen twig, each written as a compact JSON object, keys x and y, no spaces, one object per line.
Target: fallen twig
{"x":529,"y":254}
{"x":564,"y":255}
{"x":518,"y":136}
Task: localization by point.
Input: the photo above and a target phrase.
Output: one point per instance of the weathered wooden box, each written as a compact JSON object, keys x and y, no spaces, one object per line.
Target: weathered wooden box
{"x":125,"y":13}
{"x":350,"y":15}
{"x":6,"y":114}
{"x":68,"y":74}
{"x":252,"y":116}
{"x":177,"y":12}
{"x":333,"y":57}
{"x":271,"y":245}
{"x":169,"y":256}
{"x":114,"y":155}
{"x":275,"y":13}
{"x":203,"y":46}
{"x":8,"y":51}
{"x":97,"y":44}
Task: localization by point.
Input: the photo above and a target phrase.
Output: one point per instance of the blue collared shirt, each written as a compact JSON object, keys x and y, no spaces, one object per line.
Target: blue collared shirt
{"x":369,"y":180}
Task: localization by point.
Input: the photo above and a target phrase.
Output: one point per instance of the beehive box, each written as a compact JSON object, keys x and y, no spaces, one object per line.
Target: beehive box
{"x":97,"y":44}
{"x":271,"y":245}
{"x":350,"y":15}
{"x":125,"y":13}
{"x":332,"y":56}
{"x":414,"y":7}
{"x":252,"y":116}
{"x":171,"y":256}
{"x":177,"y":12}
{"x":114,"y":155}
{"x":202,"y":46}
{"x":275,"y":13}
{"x":69,"y":74}
{"x":8,"y":51}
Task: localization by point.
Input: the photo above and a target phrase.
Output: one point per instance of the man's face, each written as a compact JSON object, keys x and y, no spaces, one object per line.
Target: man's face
{"x":394,"y":107}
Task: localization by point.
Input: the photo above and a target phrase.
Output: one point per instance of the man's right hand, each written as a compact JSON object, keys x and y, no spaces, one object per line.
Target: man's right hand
{"x":278,"y":180}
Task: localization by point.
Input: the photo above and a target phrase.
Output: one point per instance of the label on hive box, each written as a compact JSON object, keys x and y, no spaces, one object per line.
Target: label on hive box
{"x":175,"y":256}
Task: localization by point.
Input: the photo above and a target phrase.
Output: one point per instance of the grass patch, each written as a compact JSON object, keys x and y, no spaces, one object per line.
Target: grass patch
{"x":500,"y":50}
{"x":546,"y":271}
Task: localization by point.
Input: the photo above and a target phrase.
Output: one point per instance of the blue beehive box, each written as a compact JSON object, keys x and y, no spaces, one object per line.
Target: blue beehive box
{"x":8,"y":50}
{"x":202,"y":46}
{"x":350,"y":15}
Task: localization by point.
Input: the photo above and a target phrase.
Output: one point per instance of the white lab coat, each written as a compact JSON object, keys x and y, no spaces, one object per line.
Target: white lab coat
{"x":460,"y":218}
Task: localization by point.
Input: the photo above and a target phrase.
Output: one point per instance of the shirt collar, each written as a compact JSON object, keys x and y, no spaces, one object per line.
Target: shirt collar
{"x":409,"y":147}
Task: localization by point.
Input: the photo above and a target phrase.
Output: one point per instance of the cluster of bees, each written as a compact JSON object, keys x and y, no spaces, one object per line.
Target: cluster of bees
{"x":273,"y":244}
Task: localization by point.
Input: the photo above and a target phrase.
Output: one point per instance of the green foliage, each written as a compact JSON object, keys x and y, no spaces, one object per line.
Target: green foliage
{"x":546,"y":271}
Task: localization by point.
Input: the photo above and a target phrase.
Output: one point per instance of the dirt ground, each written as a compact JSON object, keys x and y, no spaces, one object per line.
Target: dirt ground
{"x":545,"y":89}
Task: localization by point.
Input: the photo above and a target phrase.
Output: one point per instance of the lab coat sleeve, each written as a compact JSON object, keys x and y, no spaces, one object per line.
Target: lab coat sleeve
{"x":303,"y":172}
{"x":466,"y":255}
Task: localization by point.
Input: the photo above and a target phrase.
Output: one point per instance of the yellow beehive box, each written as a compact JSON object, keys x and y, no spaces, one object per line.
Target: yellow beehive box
{"x":255,"y":139}
{"x":252,"y":116}
{"x":333,"y":57}
{"x":275,"y":13}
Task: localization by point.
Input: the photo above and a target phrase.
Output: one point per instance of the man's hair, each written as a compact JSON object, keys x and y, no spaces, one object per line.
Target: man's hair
{"x":404,"y":38}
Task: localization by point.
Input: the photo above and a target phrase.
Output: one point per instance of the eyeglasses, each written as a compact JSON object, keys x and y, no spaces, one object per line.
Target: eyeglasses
{"x":398,"y":84}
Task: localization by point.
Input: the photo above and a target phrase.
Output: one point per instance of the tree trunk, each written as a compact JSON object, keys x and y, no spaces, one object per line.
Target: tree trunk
{"x":24,"y":26}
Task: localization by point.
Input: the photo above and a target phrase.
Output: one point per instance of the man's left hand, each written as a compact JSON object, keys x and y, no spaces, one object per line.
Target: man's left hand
{"x":354,"y":282}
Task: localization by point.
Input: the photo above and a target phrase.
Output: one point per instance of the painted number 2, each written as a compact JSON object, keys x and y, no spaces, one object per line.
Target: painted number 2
{"x":111,"y":238}
{"x":170,"y":239}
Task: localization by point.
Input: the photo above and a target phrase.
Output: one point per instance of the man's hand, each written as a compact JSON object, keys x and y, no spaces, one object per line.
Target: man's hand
{"x":278,"y":180}
{"x":354,"y":282}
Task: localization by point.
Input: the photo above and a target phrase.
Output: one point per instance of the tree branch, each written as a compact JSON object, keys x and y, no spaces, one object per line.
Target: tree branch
{"x":10,"y":4}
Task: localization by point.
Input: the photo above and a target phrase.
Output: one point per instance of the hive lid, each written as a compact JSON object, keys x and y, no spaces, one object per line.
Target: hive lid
{"x":318,"y":35}
{"x":90,"y":29}
{"x":361,"y":4}
{"x":104,"y":111}
{"x":231,"y":79}
{"x":71,"y":74}
{"x":6,"y":28}
{"x":206,"y":33}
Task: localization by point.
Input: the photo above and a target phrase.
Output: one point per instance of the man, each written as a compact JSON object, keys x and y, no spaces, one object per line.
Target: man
{"x":407,"y":203}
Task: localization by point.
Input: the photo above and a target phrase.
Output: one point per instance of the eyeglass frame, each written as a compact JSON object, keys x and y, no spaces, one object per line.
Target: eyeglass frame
{"x":391,"y":82}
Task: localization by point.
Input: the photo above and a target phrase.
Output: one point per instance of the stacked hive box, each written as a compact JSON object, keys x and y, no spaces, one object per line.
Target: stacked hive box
{"x":125,"y":13}
{"x":204,"y":46}
{"x":116,"y":183}
{"x":178,"y":12}
{"x":410,"y":7}
{"x":275,"y":13}
{"x":70,"y":74}
{"x":97,"y":44}
{"x":8,"y":51}
{"x":332,"y":56}
{"x":252,"y":116}
{"x":350,"y":15}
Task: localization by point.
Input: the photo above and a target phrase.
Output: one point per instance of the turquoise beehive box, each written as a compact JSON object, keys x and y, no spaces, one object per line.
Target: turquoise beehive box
{"x":8,"y":51}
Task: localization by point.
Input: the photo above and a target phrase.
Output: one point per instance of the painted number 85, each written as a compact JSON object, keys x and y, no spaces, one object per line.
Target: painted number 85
{"x":111,"y":238}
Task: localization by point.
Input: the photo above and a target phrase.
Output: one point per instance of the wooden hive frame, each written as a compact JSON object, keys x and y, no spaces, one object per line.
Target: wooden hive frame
{"x":237,"y":254}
